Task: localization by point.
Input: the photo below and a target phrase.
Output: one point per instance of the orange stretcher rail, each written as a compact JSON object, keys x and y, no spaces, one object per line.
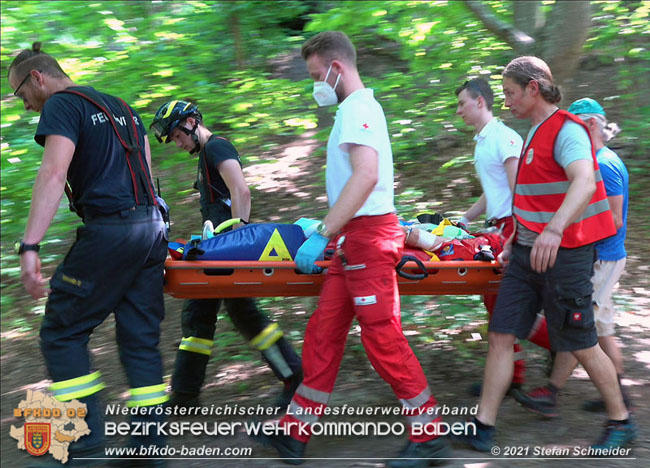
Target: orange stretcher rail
{"x":224,"y":279}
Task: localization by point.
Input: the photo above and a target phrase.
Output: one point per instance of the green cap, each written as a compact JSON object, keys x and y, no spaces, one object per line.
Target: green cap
{"x":586,"y":106}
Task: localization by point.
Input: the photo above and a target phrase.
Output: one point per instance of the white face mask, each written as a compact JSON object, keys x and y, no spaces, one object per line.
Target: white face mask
{"x":324,"y":94}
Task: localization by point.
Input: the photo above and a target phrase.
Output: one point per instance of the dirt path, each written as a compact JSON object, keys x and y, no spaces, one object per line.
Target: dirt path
{"x":358,"y":386}
{"x":247,"y":383}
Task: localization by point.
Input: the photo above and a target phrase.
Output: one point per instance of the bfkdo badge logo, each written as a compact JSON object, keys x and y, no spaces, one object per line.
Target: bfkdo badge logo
{"x":37,"y":438}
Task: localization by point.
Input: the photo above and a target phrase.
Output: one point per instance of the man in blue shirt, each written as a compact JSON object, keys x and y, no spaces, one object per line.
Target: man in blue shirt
{"x":608,"y":268}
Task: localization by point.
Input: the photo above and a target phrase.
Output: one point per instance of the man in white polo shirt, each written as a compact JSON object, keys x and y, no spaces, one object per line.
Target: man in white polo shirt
{"x":361,"y":282}
{"x":496,"y":156}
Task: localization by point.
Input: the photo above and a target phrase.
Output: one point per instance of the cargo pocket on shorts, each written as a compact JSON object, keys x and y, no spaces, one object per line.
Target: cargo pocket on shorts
{"x":66,"y":299}
{"x":576,"y":305}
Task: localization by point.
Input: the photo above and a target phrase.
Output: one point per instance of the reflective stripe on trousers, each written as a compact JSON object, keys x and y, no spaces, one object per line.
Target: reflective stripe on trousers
{"x":196,"y":345}
{"x":265,"y":341}
{"x":308,"y":414}
{"x":148,"y":396}
{"x":78,"y":387}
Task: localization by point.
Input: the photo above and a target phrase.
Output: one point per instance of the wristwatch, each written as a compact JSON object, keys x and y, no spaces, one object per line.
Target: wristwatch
{"x":322,"y":230}
{"x":20,"y":247}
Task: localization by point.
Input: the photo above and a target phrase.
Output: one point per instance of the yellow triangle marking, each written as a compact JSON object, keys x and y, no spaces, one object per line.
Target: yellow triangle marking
{"x":276,"y":246}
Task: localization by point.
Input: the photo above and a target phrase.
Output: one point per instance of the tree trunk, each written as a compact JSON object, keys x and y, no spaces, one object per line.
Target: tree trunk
{"x":517,"y":39}
{"x":528,"y":17}
{"x":237,"y":40}
{"x":563,"y":37}
{"x":559,"y":42}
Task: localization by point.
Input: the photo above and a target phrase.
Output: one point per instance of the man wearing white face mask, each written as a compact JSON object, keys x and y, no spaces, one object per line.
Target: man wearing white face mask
{"x":324,"y":94}
{"x":361,"y":281}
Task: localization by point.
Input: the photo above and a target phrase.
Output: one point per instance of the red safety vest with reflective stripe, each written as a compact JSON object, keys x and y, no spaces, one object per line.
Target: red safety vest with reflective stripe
{"x":542,"y":185}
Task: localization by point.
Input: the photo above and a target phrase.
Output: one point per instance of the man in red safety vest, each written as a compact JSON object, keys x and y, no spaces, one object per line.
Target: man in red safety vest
{"x":560,"y":208}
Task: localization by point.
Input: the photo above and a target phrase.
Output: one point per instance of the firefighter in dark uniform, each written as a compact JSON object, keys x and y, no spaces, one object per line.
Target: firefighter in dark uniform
{"x":99,"y":144}
{"x":224,"y":195}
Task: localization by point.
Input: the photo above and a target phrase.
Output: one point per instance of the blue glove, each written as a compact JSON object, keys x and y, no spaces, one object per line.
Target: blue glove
{"x":310,"y":251}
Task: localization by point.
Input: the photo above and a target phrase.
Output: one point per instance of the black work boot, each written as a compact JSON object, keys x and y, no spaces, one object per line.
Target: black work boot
{"x":290,"y":450}
{"x":422,"y":454}
{"x":482,"y":441}
{"x":290,"y":386}
{"x":183,"y":400}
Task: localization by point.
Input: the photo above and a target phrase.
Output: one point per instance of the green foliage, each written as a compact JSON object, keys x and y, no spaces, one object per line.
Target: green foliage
{"x":227,"y":57}
{"x":148,"y":53}
{"x":436,"y":46}
{"x":619,"y":34}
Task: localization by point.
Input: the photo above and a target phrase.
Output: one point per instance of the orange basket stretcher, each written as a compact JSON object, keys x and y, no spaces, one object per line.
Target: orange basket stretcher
{"x":227,"y":279}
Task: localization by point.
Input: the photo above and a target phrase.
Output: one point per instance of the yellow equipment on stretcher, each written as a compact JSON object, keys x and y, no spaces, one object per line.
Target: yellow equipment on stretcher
{"x":227,"y":279}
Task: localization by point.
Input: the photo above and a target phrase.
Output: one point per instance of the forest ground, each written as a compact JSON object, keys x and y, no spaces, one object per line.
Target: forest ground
{"x":283,"y":189}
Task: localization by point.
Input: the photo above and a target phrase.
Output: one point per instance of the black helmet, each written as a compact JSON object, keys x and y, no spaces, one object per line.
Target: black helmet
{"x":169,"y":116}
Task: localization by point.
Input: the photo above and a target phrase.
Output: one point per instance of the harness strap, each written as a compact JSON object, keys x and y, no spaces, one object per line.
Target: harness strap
{"x":211,"y":188}
{"x":128,"y":138}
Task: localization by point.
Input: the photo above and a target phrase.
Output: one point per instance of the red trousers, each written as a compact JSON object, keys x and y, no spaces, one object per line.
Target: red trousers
{"x":361,"y":283}
{"x":539,"y":333}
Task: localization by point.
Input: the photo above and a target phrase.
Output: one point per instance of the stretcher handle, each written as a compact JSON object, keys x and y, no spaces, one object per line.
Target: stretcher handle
{"x":411,"y":276}
{"x":226,"y":224}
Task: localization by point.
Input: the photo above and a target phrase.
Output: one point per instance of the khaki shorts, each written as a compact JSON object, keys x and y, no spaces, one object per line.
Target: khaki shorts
{"x":606,"y":275}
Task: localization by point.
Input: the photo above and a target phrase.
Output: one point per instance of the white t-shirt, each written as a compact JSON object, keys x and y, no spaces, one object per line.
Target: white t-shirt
{"x":360,"y":120}
{"x":496,"y":143}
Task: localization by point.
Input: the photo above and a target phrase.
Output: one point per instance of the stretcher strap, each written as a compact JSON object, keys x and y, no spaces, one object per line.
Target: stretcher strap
{"x":226,"y":224}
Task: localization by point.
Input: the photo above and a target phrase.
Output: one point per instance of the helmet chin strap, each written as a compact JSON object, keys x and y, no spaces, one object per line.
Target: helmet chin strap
{"x":197,"y":145}
{"x":194,"y":136}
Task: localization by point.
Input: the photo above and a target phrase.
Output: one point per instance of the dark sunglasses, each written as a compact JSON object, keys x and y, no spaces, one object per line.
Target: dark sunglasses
{"x":22,"y":83}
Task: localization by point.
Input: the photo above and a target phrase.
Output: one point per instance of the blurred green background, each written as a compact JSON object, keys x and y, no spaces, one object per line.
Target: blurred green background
{"x":240,"y":62}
